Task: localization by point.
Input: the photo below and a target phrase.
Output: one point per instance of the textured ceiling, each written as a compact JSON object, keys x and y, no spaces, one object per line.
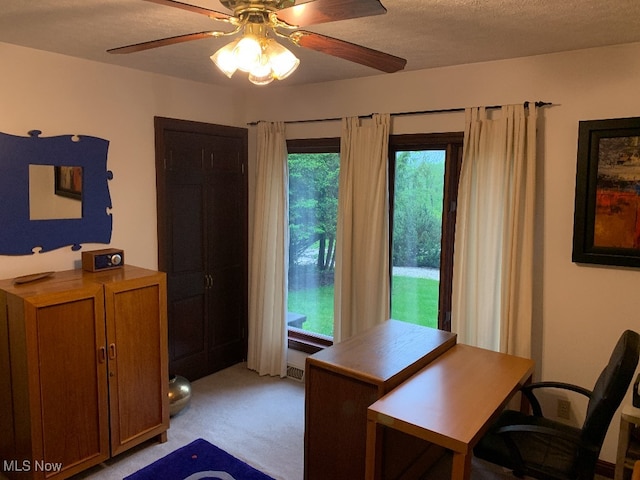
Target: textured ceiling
{"x":428,"y":33}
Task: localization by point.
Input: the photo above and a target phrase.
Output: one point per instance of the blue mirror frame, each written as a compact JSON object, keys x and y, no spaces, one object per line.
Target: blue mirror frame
{"x":19,"y":235}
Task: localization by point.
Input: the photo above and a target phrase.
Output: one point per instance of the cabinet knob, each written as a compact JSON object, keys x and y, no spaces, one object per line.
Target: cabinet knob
{"x":102,"y":355}
{"x":112,"y":351}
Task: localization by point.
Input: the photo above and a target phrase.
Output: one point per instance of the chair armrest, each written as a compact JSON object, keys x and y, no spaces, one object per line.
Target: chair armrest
{"x":527,"y":390}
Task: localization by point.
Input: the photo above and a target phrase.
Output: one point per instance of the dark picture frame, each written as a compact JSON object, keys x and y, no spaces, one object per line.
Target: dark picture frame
{"x":68,"y":181}
{"x":607,"y":194}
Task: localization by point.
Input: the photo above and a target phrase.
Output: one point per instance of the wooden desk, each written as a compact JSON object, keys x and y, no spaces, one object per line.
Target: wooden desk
{"x":343,"y":380}
{"x":451,"y":402}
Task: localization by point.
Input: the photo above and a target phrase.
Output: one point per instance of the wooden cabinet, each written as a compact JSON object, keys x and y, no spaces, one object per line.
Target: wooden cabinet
{"x":202,"y":243}
{"x":342,"y":381}
{"x":83,"y":371}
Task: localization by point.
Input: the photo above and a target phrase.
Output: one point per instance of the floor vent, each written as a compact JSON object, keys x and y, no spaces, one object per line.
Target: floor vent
{"x":295,"y":373}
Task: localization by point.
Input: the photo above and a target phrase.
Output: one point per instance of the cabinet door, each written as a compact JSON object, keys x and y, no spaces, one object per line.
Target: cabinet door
{"x":66,"y":358}
{"x":138,"y":373}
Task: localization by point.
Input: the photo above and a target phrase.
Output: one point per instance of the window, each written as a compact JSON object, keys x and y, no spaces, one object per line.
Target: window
{"x":314,"y":167}
{"x":423,"y":186}
{"x":423,"y":176}
{"x":416,"y":235}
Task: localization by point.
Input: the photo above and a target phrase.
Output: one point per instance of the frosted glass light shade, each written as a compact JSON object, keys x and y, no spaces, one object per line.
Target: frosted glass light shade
{"x":225,"y":59}
{"x":248,"y":53}
{"x":262,"y":74}
{"x":283,"y":62}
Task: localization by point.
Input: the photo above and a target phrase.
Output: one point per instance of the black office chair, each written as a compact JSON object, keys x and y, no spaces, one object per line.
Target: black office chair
{"x":541,"y":448}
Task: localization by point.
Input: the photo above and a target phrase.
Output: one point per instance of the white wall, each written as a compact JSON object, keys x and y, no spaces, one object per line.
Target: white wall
{"x":61,"y":95}
{"x":580,"y":310}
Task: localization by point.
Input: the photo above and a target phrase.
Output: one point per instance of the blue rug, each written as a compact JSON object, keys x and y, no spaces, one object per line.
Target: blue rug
{"x":198,"y":461}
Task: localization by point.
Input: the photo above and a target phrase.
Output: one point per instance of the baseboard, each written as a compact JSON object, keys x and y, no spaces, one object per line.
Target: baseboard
{"x":606,"y":469}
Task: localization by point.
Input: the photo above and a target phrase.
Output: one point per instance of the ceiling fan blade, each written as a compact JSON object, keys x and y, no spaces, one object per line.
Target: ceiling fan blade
{"x":349,"y":51}
{"x":138,"y":47}
{"x":323,"y":11}
{"x":192,"y":8}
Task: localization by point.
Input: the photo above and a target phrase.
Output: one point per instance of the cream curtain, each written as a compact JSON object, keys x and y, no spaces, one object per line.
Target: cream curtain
{"x":493,"y":258}
{"x":269,"y":254}
{"x":362,"y":239}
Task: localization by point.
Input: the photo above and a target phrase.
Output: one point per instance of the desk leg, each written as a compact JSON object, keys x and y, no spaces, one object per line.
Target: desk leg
{"x":374,"y":447}
{"x":461,"y":466}
{"x":525,"y":406}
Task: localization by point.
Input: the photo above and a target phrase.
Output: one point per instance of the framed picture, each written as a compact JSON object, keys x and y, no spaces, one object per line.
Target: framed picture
{"x":68,"y":182}
{"x":607,"y":205}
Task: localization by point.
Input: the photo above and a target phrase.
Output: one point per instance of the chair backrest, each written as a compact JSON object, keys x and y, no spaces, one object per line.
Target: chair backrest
{"x":611,"y":387}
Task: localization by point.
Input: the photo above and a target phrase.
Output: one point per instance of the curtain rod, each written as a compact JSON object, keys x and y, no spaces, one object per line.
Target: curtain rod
{"x":399,"y":114}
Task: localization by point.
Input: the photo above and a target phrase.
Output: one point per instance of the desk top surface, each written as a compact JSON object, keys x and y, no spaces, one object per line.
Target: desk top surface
{"x":381,"y":353}
{"x":452,"y":400}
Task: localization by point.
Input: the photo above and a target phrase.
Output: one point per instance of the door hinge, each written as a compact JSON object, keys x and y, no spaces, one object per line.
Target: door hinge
{"x":242,"y":167}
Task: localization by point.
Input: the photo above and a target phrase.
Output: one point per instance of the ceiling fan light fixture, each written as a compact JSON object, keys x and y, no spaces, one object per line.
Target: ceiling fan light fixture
{"x":263,"y":58}
{"x":283,"y":62}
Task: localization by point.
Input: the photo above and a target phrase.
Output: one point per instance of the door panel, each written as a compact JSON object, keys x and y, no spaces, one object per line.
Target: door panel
{"x":186,"y":211}
{"x":134,"y":326}
{"x":226,"y":303}
{"x":187,"y":337}
{"x":69,"y":336}
{"x":225,"y":209}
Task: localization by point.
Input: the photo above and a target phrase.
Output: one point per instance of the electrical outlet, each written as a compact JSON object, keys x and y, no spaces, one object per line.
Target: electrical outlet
{"x":564,"y":409}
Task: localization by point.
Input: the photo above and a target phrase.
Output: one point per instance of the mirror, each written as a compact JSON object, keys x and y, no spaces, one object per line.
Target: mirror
{"x":55,"y":192}
{"x":75,"y":167}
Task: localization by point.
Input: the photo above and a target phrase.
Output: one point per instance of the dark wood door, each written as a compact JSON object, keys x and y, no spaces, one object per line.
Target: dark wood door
{"x":202,"y":242}
{"x":226,"y":252}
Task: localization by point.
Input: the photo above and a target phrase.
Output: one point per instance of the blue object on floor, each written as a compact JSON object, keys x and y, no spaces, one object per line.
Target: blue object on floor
{"x":200,"y":460}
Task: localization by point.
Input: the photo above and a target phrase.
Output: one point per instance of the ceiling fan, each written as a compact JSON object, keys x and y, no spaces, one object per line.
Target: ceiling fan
{"x":261,"y":21}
